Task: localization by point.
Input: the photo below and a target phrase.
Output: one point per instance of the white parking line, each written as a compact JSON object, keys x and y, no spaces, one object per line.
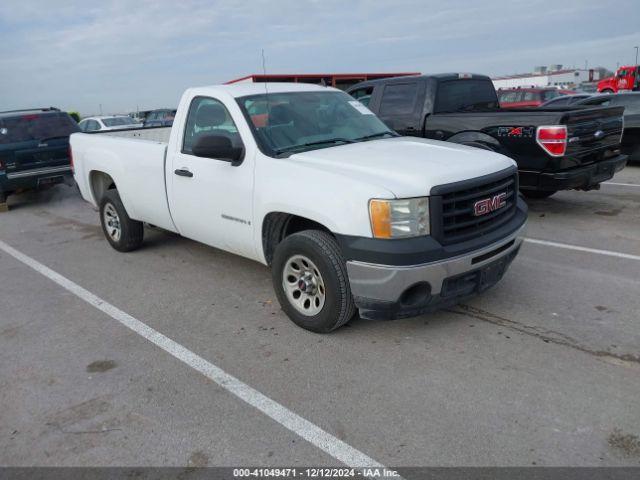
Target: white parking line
{"x":621,"y":184}
{"x":310,"y":432}
{"x":578,"y":248}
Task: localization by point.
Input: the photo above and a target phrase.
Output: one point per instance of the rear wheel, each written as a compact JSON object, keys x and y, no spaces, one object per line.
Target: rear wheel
{"x":538,"y":194}
{"x":121,"y":232}
{"x":310,"y":279}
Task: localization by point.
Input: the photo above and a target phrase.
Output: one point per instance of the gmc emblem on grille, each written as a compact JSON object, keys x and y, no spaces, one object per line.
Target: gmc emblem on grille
{"x":488,"y":205}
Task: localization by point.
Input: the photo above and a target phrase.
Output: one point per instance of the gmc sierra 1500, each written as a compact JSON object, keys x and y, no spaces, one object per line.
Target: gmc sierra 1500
{"x":347,"y":213}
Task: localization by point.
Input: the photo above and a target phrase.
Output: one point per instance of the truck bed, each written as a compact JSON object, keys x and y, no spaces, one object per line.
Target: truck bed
{"x":128,"y":156}
{"x":154,"y":134}
{"x":584,"y":145}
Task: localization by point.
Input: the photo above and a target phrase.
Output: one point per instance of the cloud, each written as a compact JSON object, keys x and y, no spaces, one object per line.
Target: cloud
{"x":119,"y":54}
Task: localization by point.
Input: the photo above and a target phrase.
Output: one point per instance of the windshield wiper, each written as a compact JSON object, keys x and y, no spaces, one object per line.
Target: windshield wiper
{"x":311,"y":144}
{"x":376,"y":135}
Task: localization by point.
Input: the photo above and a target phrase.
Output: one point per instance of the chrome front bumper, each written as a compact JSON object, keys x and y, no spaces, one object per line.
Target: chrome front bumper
{"x":386,"y":283}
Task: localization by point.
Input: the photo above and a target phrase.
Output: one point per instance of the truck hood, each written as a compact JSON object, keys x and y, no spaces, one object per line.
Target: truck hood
{"x":405,"y":166}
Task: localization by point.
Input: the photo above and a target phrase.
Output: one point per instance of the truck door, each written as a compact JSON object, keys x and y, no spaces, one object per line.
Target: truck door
{"x":623,"y":80}
{"x":210,"y":199}
{"x":400,"y":106}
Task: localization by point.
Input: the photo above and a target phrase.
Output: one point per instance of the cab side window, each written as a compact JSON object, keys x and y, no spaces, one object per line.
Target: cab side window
{"x":363,"y":95}
{"x":399,"y":99}
{"x":208,"y":116}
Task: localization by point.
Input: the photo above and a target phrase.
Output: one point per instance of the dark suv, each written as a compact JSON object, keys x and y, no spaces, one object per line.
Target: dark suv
{"x":34,"y":149}
{"x":159,"y":118}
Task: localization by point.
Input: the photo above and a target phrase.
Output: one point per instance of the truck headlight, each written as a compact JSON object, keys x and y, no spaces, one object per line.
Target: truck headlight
{"x":408,"y":217}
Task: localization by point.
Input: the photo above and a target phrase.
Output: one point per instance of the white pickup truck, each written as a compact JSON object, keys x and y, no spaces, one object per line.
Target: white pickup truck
{"x":307,"y":180}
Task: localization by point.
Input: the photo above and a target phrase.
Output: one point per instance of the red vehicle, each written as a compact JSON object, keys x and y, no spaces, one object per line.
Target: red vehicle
{"x":627,"y":78}
{"x":528,"y":97}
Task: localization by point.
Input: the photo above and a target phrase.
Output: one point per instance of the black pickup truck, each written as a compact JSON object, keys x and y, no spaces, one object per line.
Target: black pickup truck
{"x":555,"y":149}
{"x":34,"y":149}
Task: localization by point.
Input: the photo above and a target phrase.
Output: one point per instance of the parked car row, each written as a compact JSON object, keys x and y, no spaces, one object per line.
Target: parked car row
{"x":155,"y":118}
{"x":103,"y":123}
{"x":529,"y":97}
{"x":414,"y":199}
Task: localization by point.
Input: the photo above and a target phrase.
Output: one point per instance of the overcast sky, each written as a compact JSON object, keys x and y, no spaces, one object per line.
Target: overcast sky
{"x":123,"y":54}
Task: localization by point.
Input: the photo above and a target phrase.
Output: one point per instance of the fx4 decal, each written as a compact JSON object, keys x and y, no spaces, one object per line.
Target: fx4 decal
{"x":516,"y":132}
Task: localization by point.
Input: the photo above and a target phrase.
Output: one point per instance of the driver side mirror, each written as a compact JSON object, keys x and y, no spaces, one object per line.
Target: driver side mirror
{"x":218,"y":147}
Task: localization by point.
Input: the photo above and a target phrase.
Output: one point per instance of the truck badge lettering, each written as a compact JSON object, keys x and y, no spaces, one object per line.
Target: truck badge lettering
{"x":235,"y":219}
{"x":488,"y":205}
{"x":515,"y":132}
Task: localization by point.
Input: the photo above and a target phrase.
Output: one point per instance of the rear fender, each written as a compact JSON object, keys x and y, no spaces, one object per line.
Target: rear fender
{"x":478,"y":140}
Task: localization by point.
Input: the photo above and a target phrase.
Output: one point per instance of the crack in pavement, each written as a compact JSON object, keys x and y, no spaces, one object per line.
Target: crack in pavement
{"x":547,"y":336}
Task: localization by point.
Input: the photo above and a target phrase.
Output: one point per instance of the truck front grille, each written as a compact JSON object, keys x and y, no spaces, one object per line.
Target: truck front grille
{"x":457,"y":208}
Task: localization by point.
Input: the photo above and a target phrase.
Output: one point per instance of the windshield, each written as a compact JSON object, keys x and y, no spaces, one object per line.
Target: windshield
{"x":285,"y":123}
{"x":466,"y":95}
{"x":38,"y":126}
{"x":117,"y":121}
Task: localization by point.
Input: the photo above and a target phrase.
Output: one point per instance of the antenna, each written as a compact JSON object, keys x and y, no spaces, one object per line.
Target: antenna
{"x":266,"y":97}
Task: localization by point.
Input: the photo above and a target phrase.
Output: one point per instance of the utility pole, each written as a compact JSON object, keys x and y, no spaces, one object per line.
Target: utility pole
{"x":636,"y":55}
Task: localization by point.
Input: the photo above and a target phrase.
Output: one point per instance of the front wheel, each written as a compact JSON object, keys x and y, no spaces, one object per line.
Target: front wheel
{"x":121,"y":232}
{"x":538,"y":194}
{"x":310,"y":279}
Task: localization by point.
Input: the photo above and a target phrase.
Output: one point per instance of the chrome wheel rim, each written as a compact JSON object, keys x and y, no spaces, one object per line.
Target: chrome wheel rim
{"x":112,"y":222}
{"x":303,"y":285}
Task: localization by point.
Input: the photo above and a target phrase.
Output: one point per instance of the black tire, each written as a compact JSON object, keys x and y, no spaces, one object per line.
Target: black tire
{"x":131,"y":231}
{"x":322,"y":249}
{"x":538,"y":194}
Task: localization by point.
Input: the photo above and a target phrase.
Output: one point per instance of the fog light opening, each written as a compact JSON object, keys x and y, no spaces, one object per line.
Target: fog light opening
{"x":416,"y":294}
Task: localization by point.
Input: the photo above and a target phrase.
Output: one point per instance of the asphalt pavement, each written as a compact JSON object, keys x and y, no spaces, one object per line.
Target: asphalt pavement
{"x":543,"y":369}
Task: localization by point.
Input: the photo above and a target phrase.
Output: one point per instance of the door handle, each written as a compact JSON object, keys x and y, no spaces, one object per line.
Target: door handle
{"x":183,"y":172}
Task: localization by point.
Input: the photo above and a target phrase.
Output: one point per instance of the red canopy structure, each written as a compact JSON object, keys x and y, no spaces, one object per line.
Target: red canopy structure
{"x":338,"y":80}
